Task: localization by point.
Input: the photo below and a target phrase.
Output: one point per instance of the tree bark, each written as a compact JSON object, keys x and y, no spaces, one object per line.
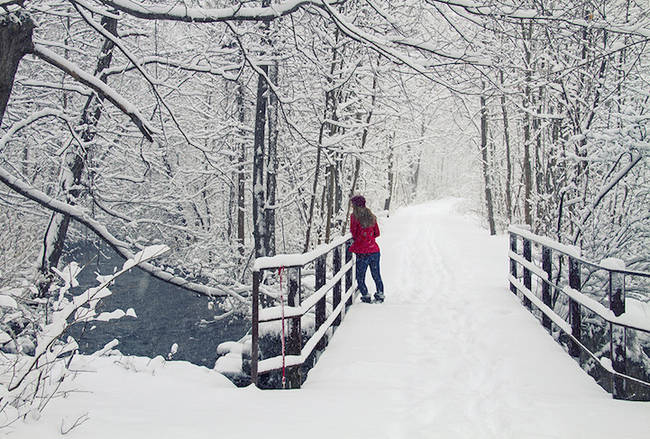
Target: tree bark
{"x":260,"y":229}
{"x":506,"y":137}
{"x":15,"y":42}
{"x":241,"y":172}
{"x":259,"y":197}
{"x":272,"y":165}
{"x":486,"y":168}
{"x":391,"y":155}
{"x":528,"y":184}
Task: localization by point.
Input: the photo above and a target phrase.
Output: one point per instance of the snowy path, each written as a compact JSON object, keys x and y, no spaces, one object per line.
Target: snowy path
{"x":450,"y":354}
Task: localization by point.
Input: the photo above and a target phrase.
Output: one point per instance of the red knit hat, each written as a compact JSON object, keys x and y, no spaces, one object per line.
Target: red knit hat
{"x":358,"y":200}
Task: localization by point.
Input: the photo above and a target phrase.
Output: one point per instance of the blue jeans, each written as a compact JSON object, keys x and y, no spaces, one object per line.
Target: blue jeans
{"x":363,"y":261}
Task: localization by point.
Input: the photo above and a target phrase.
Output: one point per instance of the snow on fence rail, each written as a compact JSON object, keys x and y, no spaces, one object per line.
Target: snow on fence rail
{"x":615,"y":317}
{"x":325,"y":291}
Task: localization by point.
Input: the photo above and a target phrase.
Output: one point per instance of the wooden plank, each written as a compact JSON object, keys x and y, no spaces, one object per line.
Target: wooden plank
{"x":298,"y":260}
{"x":321,"y":305}
{"x":575,"y":316}
{"x":348,"y":273}
{"x":255,"y":326}
{"x":294,"y":342}
{"x":547,"y":266}
{"x":559,"y":321}
{"x":513,"y":263}
{"x":527,"y":276}
{"x":618,"y":335}
{"x":273,"y":313}
{"x":336,"y":291}
{"x":275,"y":363}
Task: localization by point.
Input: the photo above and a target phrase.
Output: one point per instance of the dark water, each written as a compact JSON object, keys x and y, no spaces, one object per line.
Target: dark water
{"x":166,"y":314}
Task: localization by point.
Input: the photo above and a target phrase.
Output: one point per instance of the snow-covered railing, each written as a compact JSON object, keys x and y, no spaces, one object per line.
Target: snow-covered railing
{"x":614,"y":316}
{"x":292,"y":309}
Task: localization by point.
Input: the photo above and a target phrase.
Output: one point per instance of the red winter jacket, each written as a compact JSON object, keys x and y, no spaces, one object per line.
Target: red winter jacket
{"x":364,"y":237}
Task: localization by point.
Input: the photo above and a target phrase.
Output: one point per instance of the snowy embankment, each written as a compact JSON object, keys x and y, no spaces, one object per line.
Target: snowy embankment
{"x":450,"y":354}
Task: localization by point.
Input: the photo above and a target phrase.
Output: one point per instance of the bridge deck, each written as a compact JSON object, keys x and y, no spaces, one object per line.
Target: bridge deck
{"x":453,"y":354}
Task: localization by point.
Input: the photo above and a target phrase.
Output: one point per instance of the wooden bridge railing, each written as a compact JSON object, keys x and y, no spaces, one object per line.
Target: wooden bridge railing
{"x":579,"y":305}
{"x":325,"y":291}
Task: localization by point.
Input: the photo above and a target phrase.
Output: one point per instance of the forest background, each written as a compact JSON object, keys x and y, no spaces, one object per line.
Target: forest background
{"x":232,"y":130}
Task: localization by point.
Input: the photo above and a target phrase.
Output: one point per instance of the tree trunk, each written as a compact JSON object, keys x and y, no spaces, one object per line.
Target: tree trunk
{"x":486,"y":168}
{"x":272,"y":165}
{"x":506,"y":136}
{"x":259,"y":197}
{"x":241,"y":173}
{"x":391,"y":155}
{"x":528,"y":184}
{"x":418,"y":166}
{"x":15,"y":42}
{"x":312,"y":200}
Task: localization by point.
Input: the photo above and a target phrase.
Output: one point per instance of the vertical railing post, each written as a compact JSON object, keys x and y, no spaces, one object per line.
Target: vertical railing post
{"x":255,"y":326}
{"x":527,"y":277}
{"x":294,"y":342}
{"x":336,"y":292}
{"x":348,"y":274}
{"x":321,"y":304}
{"x":546,"y":286}
{"x":617,"y":346}
{"x":513,"y":263}
{"x":574,"y":307}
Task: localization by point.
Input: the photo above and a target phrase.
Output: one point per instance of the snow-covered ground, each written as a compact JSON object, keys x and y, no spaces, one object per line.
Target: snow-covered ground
{"x":450,"y":354}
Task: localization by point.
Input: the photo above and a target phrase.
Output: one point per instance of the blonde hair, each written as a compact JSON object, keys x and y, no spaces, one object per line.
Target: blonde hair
{"x":364,"y":216}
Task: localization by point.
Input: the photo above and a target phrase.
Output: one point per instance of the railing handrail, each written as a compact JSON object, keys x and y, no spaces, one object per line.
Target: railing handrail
{"x":298,"y":259}
{"x":294,"y":311}
{"x":615,"y":316}
{"x":272,"y":314}
{"x":586,"y":301}
{"x":570,"y":251}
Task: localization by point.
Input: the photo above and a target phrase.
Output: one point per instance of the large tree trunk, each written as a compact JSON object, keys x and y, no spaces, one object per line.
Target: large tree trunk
{"x":259,"y":197}
{"x":15,"y":42}
{"x":74,"y":164}
{"x":241,"y":172}
{"x":272,"y":165}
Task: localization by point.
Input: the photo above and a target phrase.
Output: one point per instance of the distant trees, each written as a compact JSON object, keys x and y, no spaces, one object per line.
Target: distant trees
{"x":203,"y":125}
{"x":557,"y":107}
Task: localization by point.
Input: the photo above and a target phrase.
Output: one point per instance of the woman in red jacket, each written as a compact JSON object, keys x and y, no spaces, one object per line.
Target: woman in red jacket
{"x":364,"y":229}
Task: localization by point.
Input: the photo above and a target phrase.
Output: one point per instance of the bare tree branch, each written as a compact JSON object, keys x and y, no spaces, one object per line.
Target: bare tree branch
{"x":209,"y":15}
{"x":91,"y":81}
{"x":121,"y":247}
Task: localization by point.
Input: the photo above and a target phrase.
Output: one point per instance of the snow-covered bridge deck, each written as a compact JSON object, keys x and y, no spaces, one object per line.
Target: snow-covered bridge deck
{"x":450,"y":354}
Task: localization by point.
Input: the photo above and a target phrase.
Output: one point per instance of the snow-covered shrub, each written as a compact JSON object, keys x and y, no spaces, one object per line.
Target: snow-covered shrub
{"x":36,"y":352}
